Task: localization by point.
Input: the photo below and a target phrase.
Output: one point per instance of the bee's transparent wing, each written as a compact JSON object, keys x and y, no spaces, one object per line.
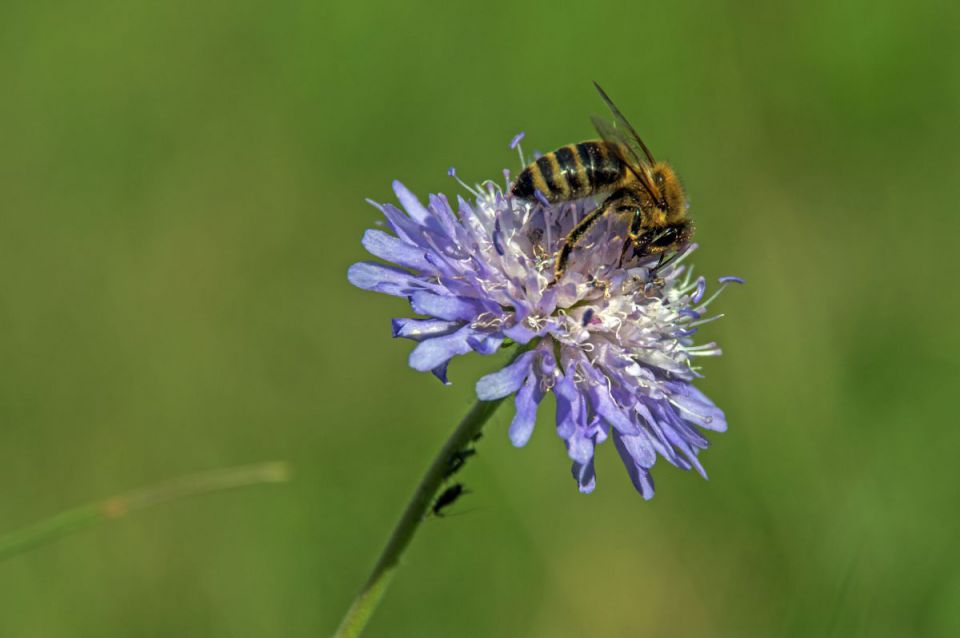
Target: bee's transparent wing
{"x":625,"y":132}
{"x":628,"y":154}
{"x":615,"y":138}
{"x":623,"y":137}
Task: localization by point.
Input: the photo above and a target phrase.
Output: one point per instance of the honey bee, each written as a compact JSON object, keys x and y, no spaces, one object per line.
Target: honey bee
{"x":621,"y":167}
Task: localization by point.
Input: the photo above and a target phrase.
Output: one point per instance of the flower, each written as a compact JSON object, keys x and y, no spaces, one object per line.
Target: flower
{"x":611,"y":341}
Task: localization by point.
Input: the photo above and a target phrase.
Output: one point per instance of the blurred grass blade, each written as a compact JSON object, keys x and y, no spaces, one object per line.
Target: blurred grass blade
{"x":67,"y":522}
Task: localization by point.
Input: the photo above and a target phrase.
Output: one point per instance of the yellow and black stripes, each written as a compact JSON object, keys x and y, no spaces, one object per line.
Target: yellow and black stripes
{"x":552,"y":177}
{"x":571,"y":172}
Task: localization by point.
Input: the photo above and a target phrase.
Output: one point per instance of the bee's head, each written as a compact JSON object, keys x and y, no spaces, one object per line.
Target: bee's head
{"x":674,"y":201}
{"x":670,"y":237}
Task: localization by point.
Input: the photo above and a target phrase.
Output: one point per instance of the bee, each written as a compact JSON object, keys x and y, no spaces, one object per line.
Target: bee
{"x":620,"y":167}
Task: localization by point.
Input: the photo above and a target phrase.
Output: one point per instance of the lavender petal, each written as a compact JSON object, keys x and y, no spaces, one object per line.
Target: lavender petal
{"x":445,"y":307}
{"x":390,"y":248}
{"x":585,"y":476}
{"x":639,"y":475}
{"x":380,"y":278}
{"x":570,"y":409}
{"x":485,"y":343}
{"x":411,"y":204}
{"x":420,"y":329}
{"x":527,"y":402}
{"x":505,"y":381}
{"x":612,"y":413}
{"x":433,"y":353}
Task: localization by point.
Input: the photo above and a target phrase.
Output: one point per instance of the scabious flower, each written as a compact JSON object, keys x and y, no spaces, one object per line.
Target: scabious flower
{"x":612,"y":341}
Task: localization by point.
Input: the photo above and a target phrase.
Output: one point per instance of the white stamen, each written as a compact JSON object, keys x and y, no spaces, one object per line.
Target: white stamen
{"x":707,"y":320}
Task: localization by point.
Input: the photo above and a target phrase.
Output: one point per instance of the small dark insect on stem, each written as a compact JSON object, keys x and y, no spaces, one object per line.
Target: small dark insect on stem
{"x":447,"y":498}
{"x":459,"y":458}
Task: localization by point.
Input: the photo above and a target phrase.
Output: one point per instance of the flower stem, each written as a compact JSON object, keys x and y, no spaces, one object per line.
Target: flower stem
{"x":64,"y":523}
{"x":369,"y":597}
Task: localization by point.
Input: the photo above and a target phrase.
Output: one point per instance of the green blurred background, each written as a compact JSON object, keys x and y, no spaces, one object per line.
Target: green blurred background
{"x":182,"y":192}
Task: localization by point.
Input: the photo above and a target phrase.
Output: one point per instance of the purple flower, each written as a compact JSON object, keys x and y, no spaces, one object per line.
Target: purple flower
{"x":611,"y":341}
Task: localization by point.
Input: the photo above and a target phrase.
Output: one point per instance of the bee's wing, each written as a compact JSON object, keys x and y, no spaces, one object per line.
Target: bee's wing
{"x":625,"y":130}
{"x":628,"y":151}
{"x":616,"y":138}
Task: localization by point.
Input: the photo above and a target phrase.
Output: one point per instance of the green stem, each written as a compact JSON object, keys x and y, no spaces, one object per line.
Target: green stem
{"x":71,"y":520}
{"x":366,"y":601}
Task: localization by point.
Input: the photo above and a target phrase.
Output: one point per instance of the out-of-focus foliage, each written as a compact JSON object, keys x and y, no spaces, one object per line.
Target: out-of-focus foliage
{"x":182,"y":188}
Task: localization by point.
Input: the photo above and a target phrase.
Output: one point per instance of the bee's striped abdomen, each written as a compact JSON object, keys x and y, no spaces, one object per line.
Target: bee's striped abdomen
{"x":574,"y":175}
{"x":601,"y":164}
{"x":570,"y":172}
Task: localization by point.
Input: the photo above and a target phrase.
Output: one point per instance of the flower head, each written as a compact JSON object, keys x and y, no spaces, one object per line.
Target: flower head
{"x":612,"y":341}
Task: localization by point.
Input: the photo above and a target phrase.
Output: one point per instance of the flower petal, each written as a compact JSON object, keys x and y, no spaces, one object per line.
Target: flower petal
{"x":605,"y":406}
{"x":527,"y":401}
{"x":639,"y":476}
{"x":401,"y":224}
{"x":433,"y":353}
{"x":571,"y":411}
{"x":444,"y":307}
{"x":393,"y":249}
{"x":580,"y":447}
{"x":411,"y":204}
{"x":485,"y":343}
{"x":440,"y":372}
{"x":520,"y":333}
{"x":385,"y":279}
{"x":696,"y":407}
{"x":600,"y":390}
{"x":442,"y":212}
{"x":505,"y":381}
{"x":420,"y":329}
{"x":585,"y":476}
{"x":638,"y":447}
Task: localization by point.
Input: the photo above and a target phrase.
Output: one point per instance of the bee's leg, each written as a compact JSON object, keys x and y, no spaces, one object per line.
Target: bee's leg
{"x":619,"y":202}
{"x":613,"y":202}
{"x":574,"y":237}
{"x":636,"y":237}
